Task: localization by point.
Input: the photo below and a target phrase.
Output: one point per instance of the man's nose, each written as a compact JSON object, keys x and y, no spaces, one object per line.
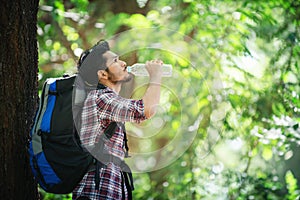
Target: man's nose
{"x":124,"y":64}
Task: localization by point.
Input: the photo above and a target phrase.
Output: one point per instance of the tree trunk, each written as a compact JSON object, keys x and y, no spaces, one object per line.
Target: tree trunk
{"x":18,"y":96}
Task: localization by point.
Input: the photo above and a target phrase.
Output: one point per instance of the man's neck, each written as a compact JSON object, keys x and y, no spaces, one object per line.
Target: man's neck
{"x":114,"y":86}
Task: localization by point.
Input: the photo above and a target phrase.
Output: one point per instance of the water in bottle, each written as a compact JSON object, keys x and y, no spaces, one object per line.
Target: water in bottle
{"x":139,"y":69}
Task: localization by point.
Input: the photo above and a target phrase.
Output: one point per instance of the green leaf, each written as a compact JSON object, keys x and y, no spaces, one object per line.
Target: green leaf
{"x":138,"y":21}
{"x":291,"y":182}
{"x":59,"y":5}
{"x":81,"y":4}
{"x":267,"y":153}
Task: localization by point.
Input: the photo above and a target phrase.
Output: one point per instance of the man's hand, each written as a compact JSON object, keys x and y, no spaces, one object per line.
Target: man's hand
{"x":154,"y":68}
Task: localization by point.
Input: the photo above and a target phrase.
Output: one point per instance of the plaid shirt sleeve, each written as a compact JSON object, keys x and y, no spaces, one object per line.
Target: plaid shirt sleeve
{"x":116,"y":108}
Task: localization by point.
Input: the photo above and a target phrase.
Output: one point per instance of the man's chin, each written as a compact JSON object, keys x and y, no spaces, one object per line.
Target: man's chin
{"x":128,"y":78}
{"x":124,"y":80}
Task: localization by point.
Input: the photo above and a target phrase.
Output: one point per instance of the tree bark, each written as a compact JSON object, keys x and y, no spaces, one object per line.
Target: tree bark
{"x":18,"y":96}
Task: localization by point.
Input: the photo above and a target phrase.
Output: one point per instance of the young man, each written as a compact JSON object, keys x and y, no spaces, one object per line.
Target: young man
{"x":101,"y":68}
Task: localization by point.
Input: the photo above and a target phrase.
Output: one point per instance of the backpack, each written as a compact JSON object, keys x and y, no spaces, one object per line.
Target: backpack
{"x":57,"y":158}
{"x":57,"y":161}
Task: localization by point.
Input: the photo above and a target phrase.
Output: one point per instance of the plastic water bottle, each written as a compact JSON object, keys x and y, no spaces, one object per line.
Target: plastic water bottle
{"x":139,"y":69}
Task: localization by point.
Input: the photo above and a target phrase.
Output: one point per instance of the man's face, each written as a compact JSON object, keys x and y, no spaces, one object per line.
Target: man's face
{"x":116,"y":68}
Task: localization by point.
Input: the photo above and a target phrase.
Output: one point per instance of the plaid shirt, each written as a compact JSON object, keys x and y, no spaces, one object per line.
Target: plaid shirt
{"x":102,"y":107}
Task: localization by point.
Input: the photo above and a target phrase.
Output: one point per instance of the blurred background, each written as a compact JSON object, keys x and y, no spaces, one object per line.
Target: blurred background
{"x":228,"y":121}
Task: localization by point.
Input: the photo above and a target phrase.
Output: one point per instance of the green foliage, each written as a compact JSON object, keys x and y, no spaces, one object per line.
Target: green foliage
{"x":293,"y":191}
{"x":233,"y":100}
{"x":48,"y":196}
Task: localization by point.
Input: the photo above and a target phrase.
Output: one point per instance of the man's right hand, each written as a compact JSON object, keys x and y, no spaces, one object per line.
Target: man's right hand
{"x":154,"y":68}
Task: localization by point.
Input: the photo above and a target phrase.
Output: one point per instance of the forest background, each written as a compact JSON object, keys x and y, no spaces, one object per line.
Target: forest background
{"x":228,"y":123}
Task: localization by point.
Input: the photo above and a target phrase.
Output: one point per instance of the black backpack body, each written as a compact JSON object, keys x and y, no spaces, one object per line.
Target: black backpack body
{"x":57,"y":159}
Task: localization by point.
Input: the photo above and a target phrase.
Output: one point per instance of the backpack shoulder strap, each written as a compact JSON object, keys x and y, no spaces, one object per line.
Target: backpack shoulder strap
{"x":125,"y":139}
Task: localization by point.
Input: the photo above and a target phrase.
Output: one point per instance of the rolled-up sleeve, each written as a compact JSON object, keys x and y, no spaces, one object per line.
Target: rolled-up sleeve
{"x":116,"y":108}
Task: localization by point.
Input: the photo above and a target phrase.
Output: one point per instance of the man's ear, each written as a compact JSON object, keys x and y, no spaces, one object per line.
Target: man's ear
{"x":102,"y":74}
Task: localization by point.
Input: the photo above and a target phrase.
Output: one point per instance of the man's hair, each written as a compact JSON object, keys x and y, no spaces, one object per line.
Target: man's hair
{"x":91,"y":61}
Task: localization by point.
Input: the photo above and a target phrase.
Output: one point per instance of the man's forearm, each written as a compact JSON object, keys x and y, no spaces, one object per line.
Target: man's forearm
{"x":152,"y":96}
